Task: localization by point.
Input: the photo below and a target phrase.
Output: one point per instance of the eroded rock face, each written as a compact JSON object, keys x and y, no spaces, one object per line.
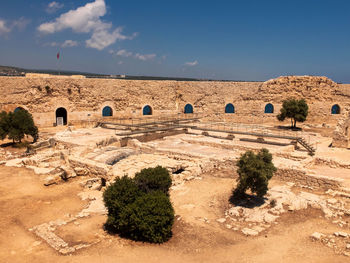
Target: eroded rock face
{"x":341,"y":134}
{"x":84,"y":99}
{"x":308,"y":87}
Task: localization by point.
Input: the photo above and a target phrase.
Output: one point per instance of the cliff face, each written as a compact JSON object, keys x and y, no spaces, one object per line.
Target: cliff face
{"x":85,"y":98}
{"x":341,"y":134}
{"x":309,"y":87}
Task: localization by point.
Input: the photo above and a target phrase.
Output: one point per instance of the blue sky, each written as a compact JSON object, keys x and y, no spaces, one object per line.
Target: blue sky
{"x":237,"y":40}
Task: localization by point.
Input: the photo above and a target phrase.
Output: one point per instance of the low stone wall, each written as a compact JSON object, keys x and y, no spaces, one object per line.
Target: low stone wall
{"x":158,"y":135}
{"x":42,"y":145}
{"x":302,"y":178}
{"x":86,"y":167}
{"x":331,"y":163}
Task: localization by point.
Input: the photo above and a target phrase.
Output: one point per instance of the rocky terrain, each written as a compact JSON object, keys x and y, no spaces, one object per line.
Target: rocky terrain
{"x":57,"y":186}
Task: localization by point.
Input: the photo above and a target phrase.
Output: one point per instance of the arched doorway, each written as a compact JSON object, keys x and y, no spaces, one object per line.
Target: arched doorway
{"x":18,"y":109}
{"x":335,"y":109}
{"x":269,"y":108}
{"x":230,"y":108}
{"x":107,"y":112}
{"x":147,"y":110}
{"x":61,"y":116}
{"x":188,"y":109}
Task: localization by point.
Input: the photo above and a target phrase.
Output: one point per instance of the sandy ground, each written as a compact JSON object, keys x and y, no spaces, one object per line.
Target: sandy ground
{"x":25,"y":202}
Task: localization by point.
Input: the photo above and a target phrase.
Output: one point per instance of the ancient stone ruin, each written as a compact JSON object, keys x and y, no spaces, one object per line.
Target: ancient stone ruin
{"x":95,"y":130}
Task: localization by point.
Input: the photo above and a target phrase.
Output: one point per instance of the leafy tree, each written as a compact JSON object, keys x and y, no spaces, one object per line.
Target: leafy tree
{"x":152,"y":179}
{"x":255,"y":171}
{"x":140,"y":208}
{"x":296,"y":110}
{"x":16,"y":125}
{"x":149,"y":218}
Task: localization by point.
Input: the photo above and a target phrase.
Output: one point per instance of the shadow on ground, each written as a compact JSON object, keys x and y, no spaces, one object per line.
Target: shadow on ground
{"x":247,"y":200}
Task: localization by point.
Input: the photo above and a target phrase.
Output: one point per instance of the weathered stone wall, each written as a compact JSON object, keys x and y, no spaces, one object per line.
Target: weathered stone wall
{"x":302,"y":178}
{"x":84,"y":99}
{"x":341,"y":134}
{"x":331,"y":163}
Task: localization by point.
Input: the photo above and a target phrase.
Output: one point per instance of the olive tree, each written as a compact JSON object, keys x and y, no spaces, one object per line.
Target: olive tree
{"x":15,"y":125}
{"x":296,"y":110}
{"x":254,"y":173}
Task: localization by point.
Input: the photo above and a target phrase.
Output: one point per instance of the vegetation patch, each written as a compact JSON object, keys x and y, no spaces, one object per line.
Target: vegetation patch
{"x":254,"y":172}
{"x":296,"y":110}
{"x":15,"y":125}
{"x":140,"y":208}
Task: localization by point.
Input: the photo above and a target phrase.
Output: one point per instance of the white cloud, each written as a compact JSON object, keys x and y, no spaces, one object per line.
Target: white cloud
{"x":192,"y":64}
{"x":53,"y":7}
{"x":123,"y":53}
{"x":102,"y":38}
{"x":70,"y":43}
{"x":7,"y":27}
{"x":145,"y":56}
{"x":87,"y":19}
{"x":3,"y":27}
{"x":51,"y":44}
{"x":20,"y":23}
{"x":65,"y":44}
{"x":83,"y":19}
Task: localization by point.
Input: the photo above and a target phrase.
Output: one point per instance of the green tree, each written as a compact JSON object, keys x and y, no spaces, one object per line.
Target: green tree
{"x":5,"y":124}
{"x":116,"y":197}
{"x":151,"y":179}
{"x":296,"y":110}
{"x":16,"y":125}
{"x":140,"y":208}
{"x":149,"y":218}
{"x":255,"y":171}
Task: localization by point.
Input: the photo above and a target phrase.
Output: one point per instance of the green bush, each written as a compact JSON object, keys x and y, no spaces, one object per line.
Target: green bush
{"x":153,"y":179}
{"x":15,"y":125}
{"x":140,"y":208}
{"x":254,"y":173}
{"x":5,"y":124}
{"x":117,"y":196}
{"x":149,"y":218}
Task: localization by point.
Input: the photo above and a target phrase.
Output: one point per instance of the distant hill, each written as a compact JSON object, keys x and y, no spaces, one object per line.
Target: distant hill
{"x":15,"y":71}
{"x":10,"y":71}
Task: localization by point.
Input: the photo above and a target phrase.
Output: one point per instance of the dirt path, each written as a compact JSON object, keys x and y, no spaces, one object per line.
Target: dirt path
{"x":25,"y":202}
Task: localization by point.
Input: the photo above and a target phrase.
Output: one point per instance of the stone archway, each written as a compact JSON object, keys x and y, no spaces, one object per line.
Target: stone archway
{"x":230,"y":108}
{"x":61,"y":116}
{"x":269,"y":108}
{"x":335,"y":109}
{"x":147,"y":110}
{"x":19,"y":108}
{"x":107,"y":112}
{"x":188,"y":109}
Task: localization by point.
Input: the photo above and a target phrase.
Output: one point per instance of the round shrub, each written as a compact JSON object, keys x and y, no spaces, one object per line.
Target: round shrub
{"x":153,"y":179}
{"x":149,"y":218}
{"x":255,"y":171}
{"x":117,"y":196}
